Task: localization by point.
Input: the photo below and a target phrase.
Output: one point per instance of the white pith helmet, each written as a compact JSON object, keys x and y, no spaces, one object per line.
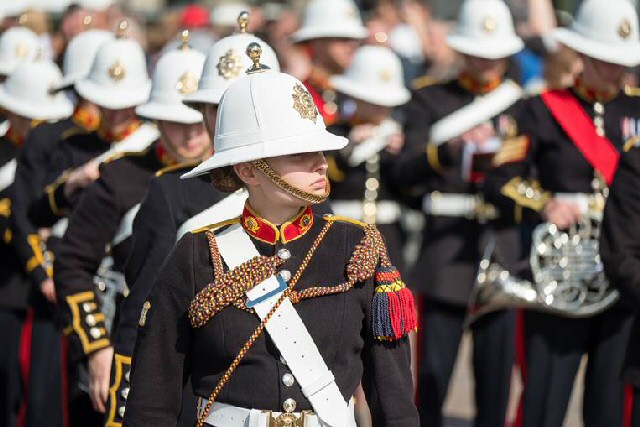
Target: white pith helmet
{"x":176,"y":75}
{"x":13,"y":7}
{"x":80,"y":54}
{"x":17,"y":45}
{"x":28,"y":92}
{"x":96,"y":4}
{"x":226,"y":62}
{"x":374,"y":76}
{"x":118,"y":78}
{"x":225,"y":15}
{"x":330,"y":19}
{"x":484,"y":29}
{"x":266,"y":114}
{"x":606,"y":30}
{"x":50,"y":6}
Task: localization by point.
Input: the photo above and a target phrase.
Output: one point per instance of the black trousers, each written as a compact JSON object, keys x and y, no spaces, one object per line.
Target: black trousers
{"x":554,"y":347}
{"x":10,"y":382}
{"x":493,"y":356}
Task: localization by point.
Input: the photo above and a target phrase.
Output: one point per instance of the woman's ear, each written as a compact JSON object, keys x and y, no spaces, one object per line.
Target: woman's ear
{"x":247,"y":173}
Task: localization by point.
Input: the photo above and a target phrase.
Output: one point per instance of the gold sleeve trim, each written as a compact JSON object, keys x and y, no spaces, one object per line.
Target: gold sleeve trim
{"x":630,"y":143}
{"x":525,"y":193}
{"x":87,"y":322}
{"x":433,"y":159}
{"x":122,"y":363}
{"x":51,"y":190}
{"x":38,"y":258}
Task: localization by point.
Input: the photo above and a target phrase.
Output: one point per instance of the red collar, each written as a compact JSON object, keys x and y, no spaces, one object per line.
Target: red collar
{"x":472,"y":85}
{"x":86,"y":118}
{"x":263,"y":230}
{"x":164,"y":156}
{"x":592,"y":95}
{"x":109,"y":136}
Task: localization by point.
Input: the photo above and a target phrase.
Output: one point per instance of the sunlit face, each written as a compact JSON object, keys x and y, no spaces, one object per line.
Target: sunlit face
{"x":335,"y":54}
{"x":306,"y":172}
{"x":484,"y":70}
{"x":185,"y":141}
{"x":371,"y":113}
{"x":116,"y":121}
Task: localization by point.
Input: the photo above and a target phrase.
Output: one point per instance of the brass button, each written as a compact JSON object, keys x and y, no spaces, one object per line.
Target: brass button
{"x":288,"y":380}
{"x":121,"y":411}
{"x":289,"y":405}
{"x":90,"y":319}
{"x":87,"y":307}
{"x":286,"y":275}
{"x":95,"y":333}
{"x":284,"y":254}
{"x":125,"y":393}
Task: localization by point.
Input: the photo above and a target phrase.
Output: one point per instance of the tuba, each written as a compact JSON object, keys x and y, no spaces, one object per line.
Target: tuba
{"x":568,"y":275}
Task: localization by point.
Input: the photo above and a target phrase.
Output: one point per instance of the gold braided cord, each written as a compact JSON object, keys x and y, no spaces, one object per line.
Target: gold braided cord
{"x":264,"y":167}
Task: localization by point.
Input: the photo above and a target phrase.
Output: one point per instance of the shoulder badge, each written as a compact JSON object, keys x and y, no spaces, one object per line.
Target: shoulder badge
{"x":217,"y":225}
{"x":179,"y":166}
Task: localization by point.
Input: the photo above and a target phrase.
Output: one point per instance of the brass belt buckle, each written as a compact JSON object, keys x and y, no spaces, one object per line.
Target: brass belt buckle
{"x":287,"y":419}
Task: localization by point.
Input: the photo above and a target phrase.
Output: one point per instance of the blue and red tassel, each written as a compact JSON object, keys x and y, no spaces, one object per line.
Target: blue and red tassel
{"x":393,"y":308}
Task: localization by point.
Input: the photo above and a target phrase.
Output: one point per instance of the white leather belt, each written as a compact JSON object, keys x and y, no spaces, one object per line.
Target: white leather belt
{"x":224,"y":415}
{"x":457,"y":205}
{"x":387,"y":212}
{"x":288,"y":332}
{"x":59,"y":228}
{"x":587,"y":202}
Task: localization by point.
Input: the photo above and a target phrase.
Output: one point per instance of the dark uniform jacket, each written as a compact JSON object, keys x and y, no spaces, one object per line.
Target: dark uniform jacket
{"x":168,"y":349}
{"x":95,"y":221}
{"x":552,"y":163}
{"x":14,"y":287}
{"x":620,"y":246}
{"x":32,"y":170}
{"x":451,"y":246}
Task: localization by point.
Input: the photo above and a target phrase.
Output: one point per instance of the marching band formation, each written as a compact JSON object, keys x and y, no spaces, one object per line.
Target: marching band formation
{"x":270,"y":225}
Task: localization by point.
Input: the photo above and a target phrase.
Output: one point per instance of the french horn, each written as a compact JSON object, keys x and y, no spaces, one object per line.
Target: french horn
{"x":568,"y":275}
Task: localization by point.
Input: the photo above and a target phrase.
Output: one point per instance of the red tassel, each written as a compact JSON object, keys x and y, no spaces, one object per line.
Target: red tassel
{"x":409,"y":317}
{"x":395,"y":313}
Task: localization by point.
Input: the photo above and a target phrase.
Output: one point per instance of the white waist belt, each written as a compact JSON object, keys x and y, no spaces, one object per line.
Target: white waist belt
{"x":457,"y":205}
{"x":387,"y":212}
{"x":223,"y":415}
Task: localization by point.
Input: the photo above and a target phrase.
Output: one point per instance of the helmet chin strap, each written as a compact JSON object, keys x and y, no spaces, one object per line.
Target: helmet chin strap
{"x":273,"y":176}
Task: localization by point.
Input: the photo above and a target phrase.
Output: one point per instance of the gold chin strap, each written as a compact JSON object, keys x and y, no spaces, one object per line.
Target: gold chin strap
{"x":264,"y":167}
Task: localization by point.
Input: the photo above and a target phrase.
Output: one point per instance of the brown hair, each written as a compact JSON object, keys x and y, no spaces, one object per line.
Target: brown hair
{"x":225,"y":179}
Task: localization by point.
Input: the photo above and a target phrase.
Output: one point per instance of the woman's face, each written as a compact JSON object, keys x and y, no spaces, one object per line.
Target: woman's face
{"x":306,"y":171}
{"x":117,"y":121}
{"x":185,"y":141}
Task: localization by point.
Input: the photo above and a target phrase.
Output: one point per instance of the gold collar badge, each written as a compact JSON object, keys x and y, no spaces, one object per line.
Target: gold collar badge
{"x":230,"y":65}
{"x":624,"y":30}
{"x":303,"y":103}
{"x":117,"y":72}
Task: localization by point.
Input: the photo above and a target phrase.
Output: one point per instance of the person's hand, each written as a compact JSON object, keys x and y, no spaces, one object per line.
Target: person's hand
{"x":479,"y":135}
{"x":361,"y":133}
{"x":561,"y":213}
{"x":80,"y":178}
{"x":99,"y":376}
{"x":48,"y":289}
{"x":395,"y":143}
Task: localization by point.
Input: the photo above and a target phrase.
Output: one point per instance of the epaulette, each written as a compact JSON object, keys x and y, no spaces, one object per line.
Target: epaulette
{"x":179,"y":166}
{"x":123,"y":154}
{"x":632,"y":91}
{"x":423,"y":81}
{"x":72,"y":132}
{"x":215,"y":226}
{"x":332,"y":217}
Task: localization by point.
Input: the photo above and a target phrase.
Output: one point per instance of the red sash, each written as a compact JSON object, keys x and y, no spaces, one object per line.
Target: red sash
{"x":597,"y":150}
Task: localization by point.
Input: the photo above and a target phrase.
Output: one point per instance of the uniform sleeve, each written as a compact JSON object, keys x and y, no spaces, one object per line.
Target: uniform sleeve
{"x":160,"y":366}
{"x":92,"y":226}
{"x":28,"y":184}
{"x":620,"y":234}
{"x":387,"y":380}
{"x":154,"y":235}
{"x":510,"y":185}
{"x":420,"y":160}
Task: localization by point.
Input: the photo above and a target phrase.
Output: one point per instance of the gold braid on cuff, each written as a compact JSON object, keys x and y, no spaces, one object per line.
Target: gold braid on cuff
{"x":264,"y":167}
